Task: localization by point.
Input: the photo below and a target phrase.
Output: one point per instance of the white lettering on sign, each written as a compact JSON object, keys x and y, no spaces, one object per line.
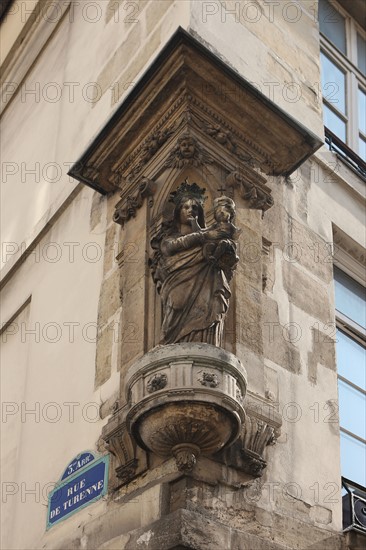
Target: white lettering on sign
{"x":55,"y":512}
{"x":81,"y":494}
{"x":76,"y":487}
{"x":77,"y":464}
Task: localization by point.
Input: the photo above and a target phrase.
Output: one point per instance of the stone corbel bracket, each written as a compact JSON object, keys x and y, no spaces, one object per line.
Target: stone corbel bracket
{"x":127,"y":207}
{"x":252,"y":187}
{"x":262,"y":427}
{"x":130,"y":460}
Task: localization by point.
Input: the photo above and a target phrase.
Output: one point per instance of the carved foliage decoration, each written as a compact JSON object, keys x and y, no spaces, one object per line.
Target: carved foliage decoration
{"x":252,"y":188}
{"x":261,"y":428}
{"x":128,"y":206}
{"x":208,"y":379}
{"x":150,"y":147}
{"x":157,"y":382}
{"x":221,"y":135}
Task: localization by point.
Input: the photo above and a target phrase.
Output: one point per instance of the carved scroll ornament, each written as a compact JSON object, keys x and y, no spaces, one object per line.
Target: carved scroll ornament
{"x":258,"y":194}
{"x":128,"y":206}
{"x":120,"y":444}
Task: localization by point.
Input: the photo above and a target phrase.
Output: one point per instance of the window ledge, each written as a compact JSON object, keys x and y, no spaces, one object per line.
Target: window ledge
{"x":342,"y":172}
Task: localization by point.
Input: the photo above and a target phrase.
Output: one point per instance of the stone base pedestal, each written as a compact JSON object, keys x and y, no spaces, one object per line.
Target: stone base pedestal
{"x":186,"y":399}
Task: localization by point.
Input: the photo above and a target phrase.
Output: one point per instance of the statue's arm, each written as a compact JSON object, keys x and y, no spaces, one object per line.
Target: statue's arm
{"x":170,"y":246}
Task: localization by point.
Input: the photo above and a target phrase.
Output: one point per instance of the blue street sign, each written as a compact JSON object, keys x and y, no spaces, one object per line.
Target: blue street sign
{"x":86,"y":481}
{"x":79,"y":462}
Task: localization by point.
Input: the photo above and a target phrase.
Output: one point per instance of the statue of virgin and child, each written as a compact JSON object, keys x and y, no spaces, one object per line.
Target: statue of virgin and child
{"x":193,"y":265}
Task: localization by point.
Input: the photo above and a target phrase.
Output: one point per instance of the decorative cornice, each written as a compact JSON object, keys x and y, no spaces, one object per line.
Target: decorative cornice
{"x":230,"y":137}
{"x":169,"y":99}
{"x":127,"y":166}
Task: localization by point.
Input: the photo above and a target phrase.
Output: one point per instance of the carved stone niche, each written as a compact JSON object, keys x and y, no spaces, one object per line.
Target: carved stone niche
{"x":185,"y":400}
{"x":189,"y":116}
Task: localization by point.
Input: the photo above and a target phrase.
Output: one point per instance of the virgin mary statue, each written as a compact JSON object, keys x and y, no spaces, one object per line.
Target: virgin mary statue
{"x":194,"y":286}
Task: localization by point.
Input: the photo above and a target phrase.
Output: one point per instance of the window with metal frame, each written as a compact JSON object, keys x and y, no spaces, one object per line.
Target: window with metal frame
{"x":351,"y":364}
{"x":343,"y":70}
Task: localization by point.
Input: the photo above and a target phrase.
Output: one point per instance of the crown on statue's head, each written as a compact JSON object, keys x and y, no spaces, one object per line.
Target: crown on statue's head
{"x":188,"y":191}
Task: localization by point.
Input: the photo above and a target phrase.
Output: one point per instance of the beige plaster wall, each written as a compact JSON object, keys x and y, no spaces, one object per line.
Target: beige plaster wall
{"x":48,"y":358}
{"x":63,"y":102}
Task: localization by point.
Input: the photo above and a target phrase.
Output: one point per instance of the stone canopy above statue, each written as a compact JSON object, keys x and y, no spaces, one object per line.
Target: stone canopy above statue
{"x":188,"y":88}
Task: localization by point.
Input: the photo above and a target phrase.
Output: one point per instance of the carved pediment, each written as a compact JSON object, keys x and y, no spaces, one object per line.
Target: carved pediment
{"x":188,"y":89}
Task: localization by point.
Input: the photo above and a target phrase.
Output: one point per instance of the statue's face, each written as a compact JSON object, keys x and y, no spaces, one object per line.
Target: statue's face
{"x":186,"y":148}
{"x":188,"y":212}
{"x":222,"y":214}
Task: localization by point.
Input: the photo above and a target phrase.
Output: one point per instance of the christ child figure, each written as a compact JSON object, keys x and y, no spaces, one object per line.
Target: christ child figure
{"x":222,"y":251}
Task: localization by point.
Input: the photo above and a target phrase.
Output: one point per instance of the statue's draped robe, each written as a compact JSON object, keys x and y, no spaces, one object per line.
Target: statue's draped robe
{"x":195,"y":293}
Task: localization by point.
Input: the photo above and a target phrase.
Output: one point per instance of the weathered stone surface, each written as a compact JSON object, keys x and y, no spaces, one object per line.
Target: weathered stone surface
{"x":185,"y":399}
{"x":321,"y":515}
{"x":112,"y":200}
{"x":109,"y":300}
{"x":115,"y":11}
{"x":192,"y":530}
{"x":103,"y":361}
{"x":334,"y":542}
{"x":96,"y":211}
{"x":126,"y":80}
{"x":111,"y":248}
{"x":306,"y":293}
{"x":154,"y":13}
{"x":323,"y":351}
{"x":250,"y":254}
{"x":126,"y":50}
{"x":276,"y":344}
{"x":306,"y":248}
{"x":248,"y":315}
{"x":132,"y":324}
{"x":355,"y":540}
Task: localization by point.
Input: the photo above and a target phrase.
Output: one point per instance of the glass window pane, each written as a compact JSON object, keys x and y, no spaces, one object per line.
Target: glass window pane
{"x":362,"y":110}
{"x":352,"y":409}
{"x":334,"y":123}
{"x":351,"y":360}
{"x":362,"y":148}
{"x":350,"y":297}
{"x":361,"y":54}
{"x":333,"y":84}
{"x":332,"y":24}
{"x":353,"y":459}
